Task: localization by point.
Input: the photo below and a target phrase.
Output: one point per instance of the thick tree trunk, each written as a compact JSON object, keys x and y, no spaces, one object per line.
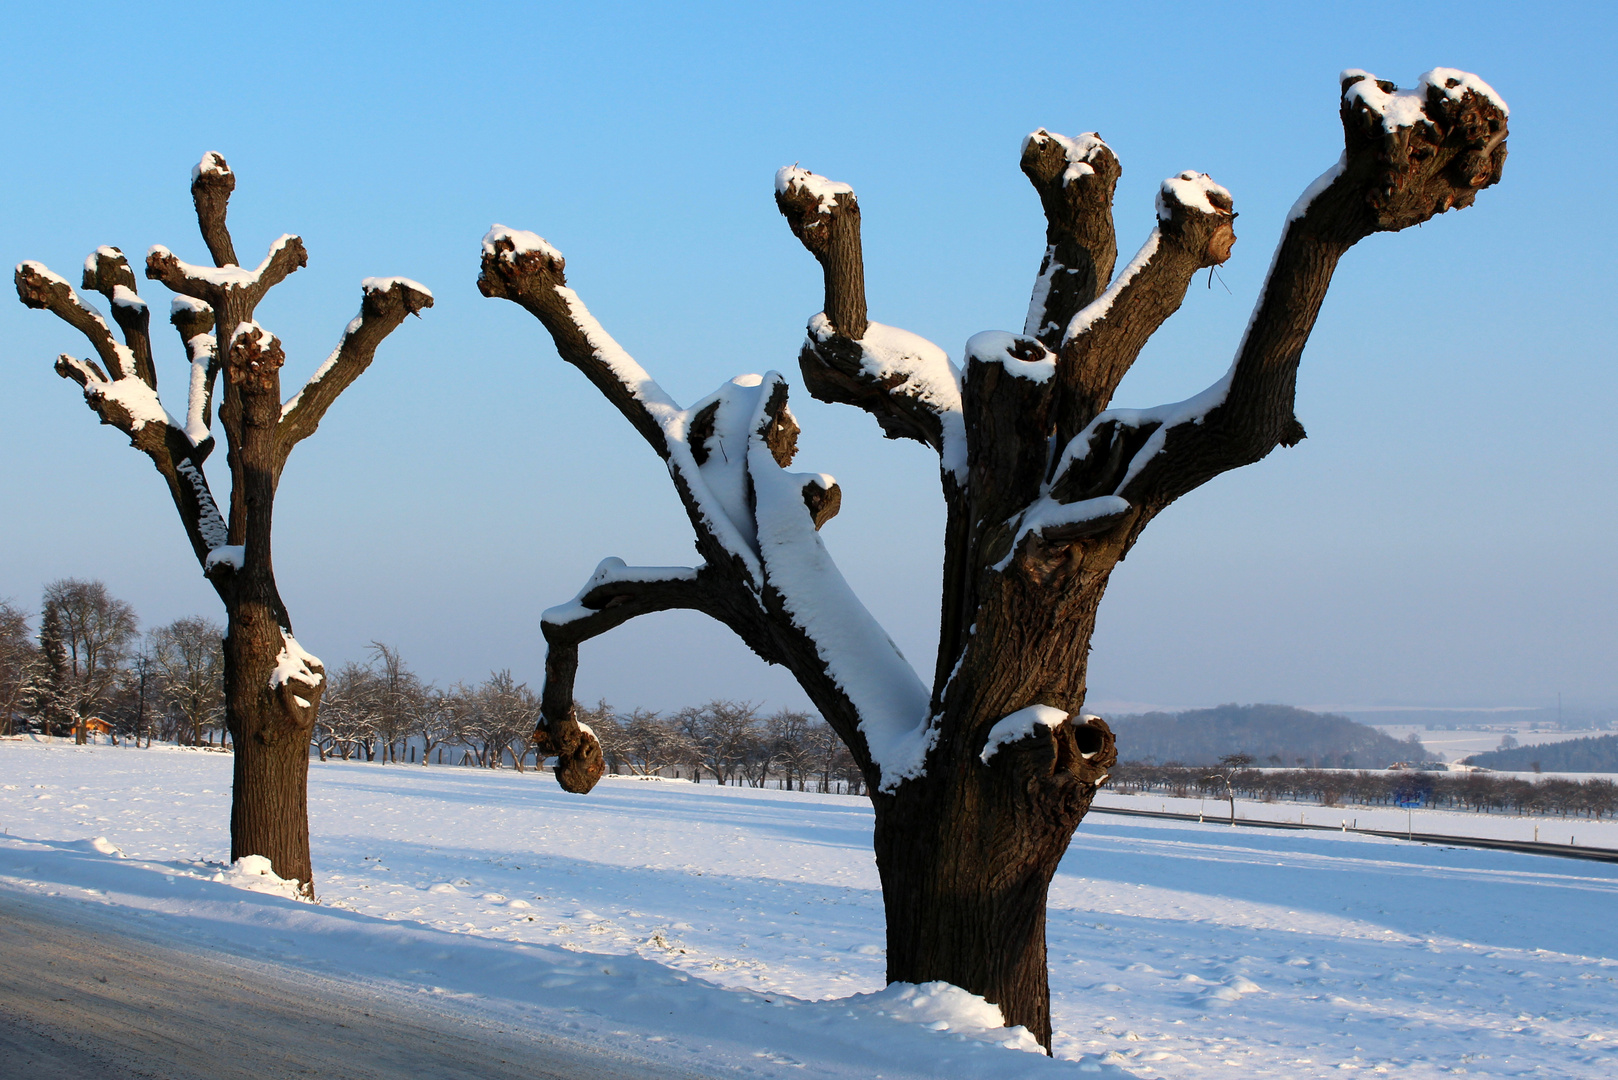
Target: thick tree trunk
{"x":269,"y":813}
{"x":966,"y":854}
{"x":961,"y":908}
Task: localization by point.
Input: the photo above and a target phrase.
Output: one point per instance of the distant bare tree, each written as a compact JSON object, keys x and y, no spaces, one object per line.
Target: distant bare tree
{"x":347,"y":721}
{"x":506,"y":711}
{"x":95,"y":631}
{"x":189,"y":658}
{"x":789,"y":735}
{"x":398,"y":699}
{"x":654,"y":743}
{"x":18,"y":659}
{"x":272,"y":686}
{"x":721,"y":734}
{"x":428,"y":722}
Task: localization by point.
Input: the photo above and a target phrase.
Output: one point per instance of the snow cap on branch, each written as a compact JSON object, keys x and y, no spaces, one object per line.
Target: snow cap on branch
{"x":386,"y":284}
{"x":1407,"y":108}
{"x":1019,"y":354}
{"x":1020,"y":725}
{"x":520,"y":242}
{"x":286,"y":254}
{"x":609,"y":571}
{"x":1194,"y":191}
{"x":824,"y":191}
{"x":212,"y":165}
{"x":911,"y":366}
{"x":1081,"y":152}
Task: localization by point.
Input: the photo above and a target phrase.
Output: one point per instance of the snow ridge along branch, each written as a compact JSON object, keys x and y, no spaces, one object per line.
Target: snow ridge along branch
{"x":764,"y":572}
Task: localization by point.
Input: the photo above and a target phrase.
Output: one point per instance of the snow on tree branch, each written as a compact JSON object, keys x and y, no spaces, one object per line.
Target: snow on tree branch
{"x":1408,"y":156}
{"x":905,"y":381}
{"x":859,"y":657}
{"x":211,"y":185}
{"x":123,"y":399}
{"x":614,"y":584}
{"x":908,"y":383}
{"x":1020,"y":725}
{"x":384,"y":305}
{"x":614,"y":594}
{"x":195,"y":321}
{"x":107,"y":272}
{"x":766,"y":573}
{"x":39,"y":288}
{"x":520,"y":266}
{"x":212,"y":284}
{"x":123,"y":389}
{"x":1101,"y":342}
{"x":825,"y":216}
{"x":1075,"y":179}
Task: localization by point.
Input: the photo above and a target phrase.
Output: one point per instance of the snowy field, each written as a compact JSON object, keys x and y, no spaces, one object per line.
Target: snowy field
{"x":1464,"y":742}
{"x":739,"y":931}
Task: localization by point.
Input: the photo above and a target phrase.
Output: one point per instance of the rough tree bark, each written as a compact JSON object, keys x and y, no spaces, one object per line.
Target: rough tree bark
{"x":272,"y":686}
{"x":979,"y":783}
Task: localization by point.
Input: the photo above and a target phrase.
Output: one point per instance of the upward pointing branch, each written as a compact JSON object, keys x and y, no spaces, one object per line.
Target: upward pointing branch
{"x":903,"y":380}
{"x":1407,"y":157}
{"x":1075,"y":179}
{"x":825,"y":216}
{"x":211,"y":185}
{"x":108,"y":273}
{"x":385,"y":303}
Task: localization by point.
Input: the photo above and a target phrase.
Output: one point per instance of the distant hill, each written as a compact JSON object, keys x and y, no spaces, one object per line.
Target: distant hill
{"x":1596,"y":754}
{"x":1275,"y":735}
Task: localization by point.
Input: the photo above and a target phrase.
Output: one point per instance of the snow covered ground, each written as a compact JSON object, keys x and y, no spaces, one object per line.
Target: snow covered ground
{"x":1463,"y":742}
{"x":739,"y":931}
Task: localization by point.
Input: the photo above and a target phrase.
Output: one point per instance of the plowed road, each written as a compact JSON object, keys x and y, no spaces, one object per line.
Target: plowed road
{"x":86,"y":1002}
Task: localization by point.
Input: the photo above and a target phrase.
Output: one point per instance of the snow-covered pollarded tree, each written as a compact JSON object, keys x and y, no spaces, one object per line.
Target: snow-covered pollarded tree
{"x":272,"y":686}
{"x":979,"y":781}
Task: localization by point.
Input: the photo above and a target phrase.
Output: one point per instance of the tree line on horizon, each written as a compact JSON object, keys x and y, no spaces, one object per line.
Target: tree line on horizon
{"x":1595,"y":753}
{"x":90,"y":661}
{"x":1278,"y":736}
{"x":1479,"y":792}
{"x":90,"y":664}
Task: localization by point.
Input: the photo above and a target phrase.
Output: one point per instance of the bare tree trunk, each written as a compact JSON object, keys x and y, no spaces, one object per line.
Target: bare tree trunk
{"x":272,"y":687}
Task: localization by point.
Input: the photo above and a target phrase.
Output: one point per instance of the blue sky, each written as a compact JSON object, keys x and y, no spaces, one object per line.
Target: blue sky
{"x":1445,"y":535}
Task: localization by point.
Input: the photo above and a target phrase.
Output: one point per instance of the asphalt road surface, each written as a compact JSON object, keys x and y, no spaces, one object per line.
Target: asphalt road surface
{"x":78,"y":1002}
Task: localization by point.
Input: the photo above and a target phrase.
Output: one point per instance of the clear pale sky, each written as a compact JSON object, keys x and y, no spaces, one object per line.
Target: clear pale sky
{"x":1445,"y":536}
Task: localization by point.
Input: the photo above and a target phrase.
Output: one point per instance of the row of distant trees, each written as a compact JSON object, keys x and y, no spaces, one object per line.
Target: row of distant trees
{"x":1477,"y":791}
{"x":728,"y":742}
{"x":90,"y":661}
{"x":381,"y":711}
